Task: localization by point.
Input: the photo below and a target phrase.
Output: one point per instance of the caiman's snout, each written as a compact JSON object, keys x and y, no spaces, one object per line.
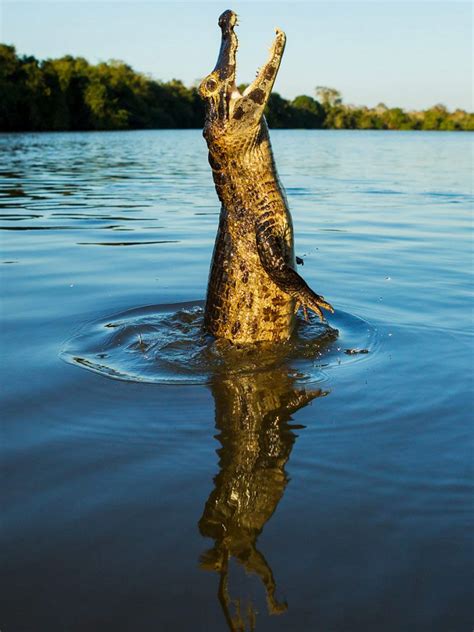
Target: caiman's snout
{"x":227,"y":20}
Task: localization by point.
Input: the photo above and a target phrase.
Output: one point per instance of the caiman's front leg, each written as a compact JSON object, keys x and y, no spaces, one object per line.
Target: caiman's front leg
{"x":272,"y":252}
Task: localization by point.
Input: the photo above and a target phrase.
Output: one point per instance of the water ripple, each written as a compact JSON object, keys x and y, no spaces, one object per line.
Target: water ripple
{"x":125,"y":243}
{"x":167,"y":344}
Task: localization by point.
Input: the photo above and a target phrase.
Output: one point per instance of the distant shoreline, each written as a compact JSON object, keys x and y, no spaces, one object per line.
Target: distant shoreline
{"x":199,"y":129}
{"x":70,"y":94}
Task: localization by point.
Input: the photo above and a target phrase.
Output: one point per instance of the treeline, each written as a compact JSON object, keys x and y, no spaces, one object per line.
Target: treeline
{"x":71,"y":94}
{"x":329,"y":112}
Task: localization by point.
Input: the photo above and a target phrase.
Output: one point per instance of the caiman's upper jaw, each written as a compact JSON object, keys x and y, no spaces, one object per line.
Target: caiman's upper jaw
{"x":219,"y":86}
{"x":225,"y":66}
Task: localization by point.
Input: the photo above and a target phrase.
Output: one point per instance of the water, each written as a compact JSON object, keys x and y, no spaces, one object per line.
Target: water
{"x":330,"y":493}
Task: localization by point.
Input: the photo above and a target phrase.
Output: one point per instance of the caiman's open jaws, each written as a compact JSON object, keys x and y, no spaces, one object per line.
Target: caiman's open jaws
{"x":226,"y":105}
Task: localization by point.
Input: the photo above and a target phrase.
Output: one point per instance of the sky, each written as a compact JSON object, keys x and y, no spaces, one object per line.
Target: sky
{"x":411,"y":54}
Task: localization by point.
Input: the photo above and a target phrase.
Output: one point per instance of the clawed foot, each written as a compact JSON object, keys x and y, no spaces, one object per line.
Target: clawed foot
{"x":276,"y":607}
{"x":314,"y":303}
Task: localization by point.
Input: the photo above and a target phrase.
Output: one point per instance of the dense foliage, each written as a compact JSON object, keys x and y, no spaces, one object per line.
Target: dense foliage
{"x":71,"y":94}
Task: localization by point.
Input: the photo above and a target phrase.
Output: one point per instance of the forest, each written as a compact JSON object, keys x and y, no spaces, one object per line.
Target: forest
{"x":69,"y":93}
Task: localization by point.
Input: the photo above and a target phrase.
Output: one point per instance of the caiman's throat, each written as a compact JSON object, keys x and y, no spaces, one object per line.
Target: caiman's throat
{"x":254,"y":290}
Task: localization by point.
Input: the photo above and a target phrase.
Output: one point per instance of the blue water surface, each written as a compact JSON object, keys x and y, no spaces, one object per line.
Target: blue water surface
{"x":342,"y":503}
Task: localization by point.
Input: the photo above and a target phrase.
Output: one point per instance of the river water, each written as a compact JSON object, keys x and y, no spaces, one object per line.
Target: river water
{"x":327,"y":494}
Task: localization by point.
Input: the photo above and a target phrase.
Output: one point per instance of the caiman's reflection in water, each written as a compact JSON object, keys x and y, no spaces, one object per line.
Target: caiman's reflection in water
{"x":252,"y":414}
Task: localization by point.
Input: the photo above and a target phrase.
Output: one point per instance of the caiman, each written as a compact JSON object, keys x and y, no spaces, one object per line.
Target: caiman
{"x":254,"y":290}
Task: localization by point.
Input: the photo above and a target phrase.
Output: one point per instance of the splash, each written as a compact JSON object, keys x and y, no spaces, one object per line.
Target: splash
{"x":167,"y":344}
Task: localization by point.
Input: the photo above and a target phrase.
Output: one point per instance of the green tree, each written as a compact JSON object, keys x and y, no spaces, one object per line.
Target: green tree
{"x":396,"y":118}
{"x":436,"y":118}
{"x":14,"y":111}
{"x":307,"y":112}
{"x":329,"y":97}
{"x":278,"y":111}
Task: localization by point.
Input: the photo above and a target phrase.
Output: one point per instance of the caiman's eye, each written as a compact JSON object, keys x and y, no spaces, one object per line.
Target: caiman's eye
{"x":211,"y":85}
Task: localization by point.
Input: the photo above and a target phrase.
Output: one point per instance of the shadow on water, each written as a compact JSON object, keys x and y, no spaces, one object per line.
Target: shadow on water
{"x":253,"y":415}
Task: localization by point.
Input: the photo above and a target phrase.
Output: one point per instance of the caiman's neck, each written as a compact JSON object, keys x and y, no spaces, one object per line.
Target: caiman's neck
{"x":245,"y":175}
{"x":244,"y":155}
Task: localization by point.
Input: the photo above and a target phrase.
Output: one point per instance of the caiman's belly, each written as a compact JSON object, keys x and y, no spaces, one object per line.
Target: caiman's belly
{"x":243,"y":304}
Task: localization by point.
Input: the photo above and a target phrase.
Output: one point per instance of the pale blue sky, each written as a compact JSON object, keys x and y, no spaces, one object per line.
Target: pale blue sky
{"x":412,"y":54}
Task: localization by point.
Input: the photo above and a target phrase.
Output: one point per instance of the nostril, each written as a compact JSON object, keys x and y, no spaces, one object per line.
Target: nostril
{"x":227,"y":18}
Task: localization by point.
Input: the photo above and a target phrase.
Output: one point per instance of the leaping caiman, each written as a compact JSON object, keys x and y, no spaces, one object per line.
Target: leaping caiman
{"x":254,"y":290}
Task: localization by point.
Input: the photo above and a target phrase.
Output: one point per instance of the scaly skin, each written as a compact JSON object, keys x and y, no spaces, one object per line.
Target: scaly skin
{"x":254,"y":290}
